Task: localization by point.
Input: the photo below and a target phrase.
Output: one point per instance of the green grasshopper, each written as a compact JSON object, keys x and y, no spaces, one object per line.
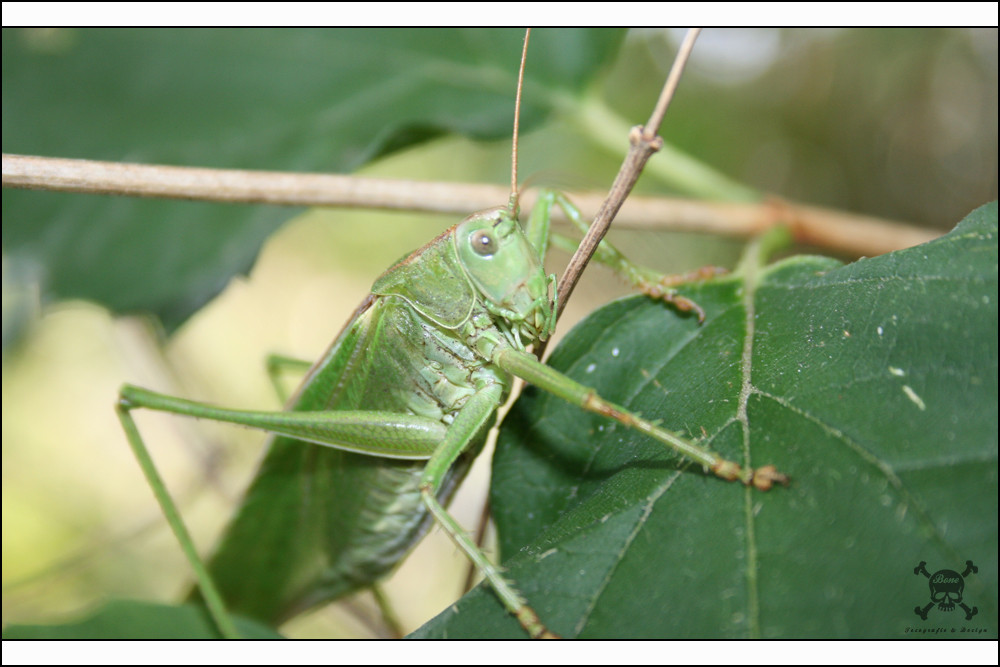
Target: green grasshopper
{"x":399,"y":406}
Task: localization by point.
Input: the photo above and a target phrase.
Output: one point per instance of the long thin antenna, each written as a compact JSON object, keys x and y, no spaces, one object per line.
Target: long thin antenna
{"x":517,"y":118}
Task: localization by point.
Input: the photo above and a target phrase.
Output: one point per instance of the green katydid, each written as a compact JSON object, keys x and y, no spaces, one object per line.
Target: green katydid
{"x":400,"y":405}
{"x":403,"y":400}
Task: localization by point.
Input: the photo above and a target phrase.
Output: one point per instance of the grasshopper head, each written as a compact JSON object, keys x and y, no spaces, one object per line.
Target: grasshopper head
{"x":506,"y":270}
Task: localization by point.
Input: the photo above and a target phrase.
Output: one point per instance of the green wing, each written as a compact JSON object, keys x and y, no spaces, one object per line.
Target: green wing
{"x":318,"y":523}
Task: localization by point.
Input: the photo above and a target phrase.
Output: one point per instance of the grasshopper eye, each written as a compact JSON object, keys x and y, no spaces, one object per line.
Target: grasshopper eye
{"x":483,"y":243}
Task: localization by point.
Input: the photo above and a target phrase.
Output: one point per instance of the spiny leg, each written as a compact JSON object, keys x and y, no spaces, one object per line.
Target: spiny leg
{"x":209,"y":592}
{"x":480,"y":536}
{"x":536,"y":228}
{"x":648,"y":281}
{"x":529,"y":369}
{"x":475,"y":417}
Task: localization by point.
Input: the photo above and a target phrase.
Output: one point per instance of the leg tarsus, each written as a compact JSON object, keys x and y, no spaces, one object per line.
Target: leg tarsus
{"x":509,"y":596}
{"x":762,"y":478}
{"x":661,"y":287}
{"x":648,"y":281}
{"x":767,"y":476}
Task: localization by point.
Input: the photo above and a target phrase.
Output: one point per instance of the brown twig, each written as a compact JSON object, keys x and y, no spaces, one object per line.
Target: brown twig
{"x":836,"y":230}
{"x":241,"y":186}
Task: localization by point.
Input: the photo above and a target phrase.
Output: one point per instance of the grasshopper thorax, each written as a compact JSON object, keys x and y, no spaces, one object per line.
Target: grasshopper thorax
{"x":506,"y":271}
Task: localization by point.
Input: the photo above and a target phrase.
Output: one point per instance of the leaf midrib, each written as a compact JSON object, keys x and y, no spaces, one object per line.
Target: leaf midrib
{"x":751,"y":268}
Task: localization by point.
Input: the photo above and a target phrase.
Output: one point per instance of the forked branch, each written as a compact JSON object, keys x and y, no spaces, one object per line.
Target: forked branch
{"x":644,"y":141}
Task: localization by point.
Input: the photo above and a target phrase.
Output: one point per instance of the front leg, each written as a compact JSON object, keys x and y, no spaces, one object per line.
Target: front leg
{"x":648,"y":281}
{"x":470,"y":424}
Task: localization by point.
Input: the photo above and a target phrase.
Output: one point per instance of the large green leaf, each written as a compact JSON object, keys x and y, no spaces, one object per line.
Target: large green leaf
{"x":299,"y":100}
{"x":140,"y":620}
{"x":873,"y":385}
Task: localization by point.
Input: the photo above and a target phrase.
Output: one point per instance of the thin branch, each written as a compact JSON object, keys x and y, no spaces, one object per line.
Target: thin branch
{"x":643,"y":141}
{"x":241,"y":186}
{"x":845,"y":233}
{"x":670,"y":86}
{"x":836,"y":230}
